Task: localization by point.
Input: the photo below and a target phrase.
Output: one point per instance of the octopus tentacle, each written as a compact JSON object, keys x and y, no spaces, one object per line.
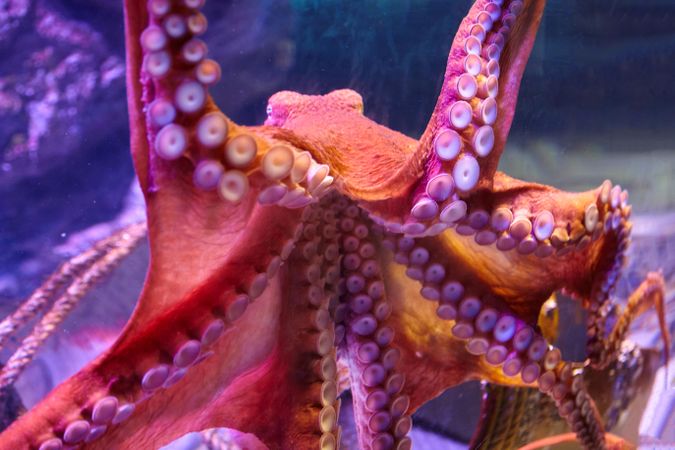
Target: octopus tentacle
{"x":175,"y":128}
{"x":379,"y":407}
{"x":603,"y":347}
{"x":469,"y":126}
{"x":160,"y":342}
{"x":542,"y":261}
{"x":189,"y":140}
{"x":167,"y":77}
{"x":461,"y":146}
{"x":509,"y":348}
{"x":575,"y":405}
{"x":613,"y":214}
{"x":565,"y":386}
{"x":301,"y":373}
{"x":512,"y":417}
{"x":507,"y":345}
{"x":510,"y":351}
{"x":205,"y":177}
{"x":405,"y":190}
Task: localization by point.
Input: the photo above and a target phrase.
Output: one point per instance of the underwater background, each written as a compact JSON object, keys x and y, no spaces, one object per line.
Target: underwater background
{"x":597,"y":101}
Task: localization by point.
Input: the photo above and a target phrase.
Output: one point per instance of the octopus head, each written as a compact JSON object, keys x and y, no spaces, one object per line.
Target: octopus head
{"x":346,"y":99}
{"x":285,"y":106}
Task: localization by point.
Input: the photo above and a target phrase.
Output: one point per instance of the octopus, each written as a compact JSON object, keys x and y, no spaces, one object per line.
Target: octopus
{"x":322,"y":251}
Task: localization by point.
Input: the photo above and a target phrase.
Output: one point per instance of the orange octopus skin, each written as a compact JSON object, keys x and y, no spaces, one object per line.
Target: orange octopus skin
{"x":324,"y":238}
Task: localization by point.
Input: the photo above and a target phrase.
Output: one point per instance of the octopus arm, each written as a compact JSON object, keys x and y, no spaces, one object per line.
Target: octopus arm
{"x":167,"y":94}
{"x":605,"y":346}
{"x":522,"y":242}
{"x":170,"y":329}
{"x":135,"y":396}
{"x":458,"y":153}
{"x":275,"y":352}
{"x":134,"y":17}
{"x":457,"y":329}
{"x":182,"y":144}
{"x":205,"y":179}
{"x":469,"y":126}
{"x":210,"y":189}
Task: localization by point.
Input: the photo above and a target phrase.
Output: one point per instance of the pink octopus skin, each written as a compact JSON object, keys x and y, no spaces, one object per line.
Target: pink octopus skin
{"x":314,"y":252}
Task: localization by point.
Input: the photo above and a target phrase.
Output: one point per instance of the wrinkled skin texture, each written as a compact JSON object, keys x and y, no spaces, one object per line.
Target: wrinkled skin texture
{"x":320,"y":290}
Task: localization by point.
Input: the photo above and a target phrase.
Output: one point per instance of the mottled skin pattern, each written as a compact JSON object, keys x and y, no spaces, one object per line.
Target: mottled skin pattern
{"x":332,"y":272}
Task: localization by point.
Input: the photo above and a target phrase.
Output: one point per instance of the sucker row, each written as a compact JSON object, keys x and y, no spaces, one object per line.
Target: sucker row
{"x":184,"y":124}
{"x":318,"y":233}
{"x":109,"y":408}
{"x":536,"y":232}
{"x":501,"y":338}
{"x":466,"y":132}
{"x":380,"y":407}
